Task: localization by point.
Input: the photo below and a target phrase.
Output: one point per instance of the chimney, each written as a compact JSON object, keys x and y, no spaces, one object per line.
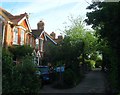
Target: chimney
{"x":53,"y":35}
{"x":60,"y":37}
{"x":40,"y":25}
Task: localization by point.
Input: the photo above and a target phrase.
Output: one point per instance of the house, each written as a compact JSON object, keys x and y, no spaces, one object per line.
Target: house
{"x":15,"y":29}
{"x":59,"y":39}
{"x":41,"y":39}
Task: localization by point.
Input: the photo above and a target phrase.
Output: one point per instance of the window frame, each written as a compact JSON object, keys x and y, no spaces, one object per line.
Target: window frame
{"x":22,"y":37}
{"x":15,"y":35}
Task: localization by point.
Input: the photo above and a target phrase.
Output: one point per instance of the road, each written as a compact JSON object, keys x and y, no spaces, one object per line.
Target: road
{"x":94,"y":82}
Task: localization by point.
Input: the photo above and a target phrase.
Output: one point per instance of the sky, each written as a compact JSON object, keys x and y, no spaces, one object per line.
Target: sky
{"x":54,"y":13}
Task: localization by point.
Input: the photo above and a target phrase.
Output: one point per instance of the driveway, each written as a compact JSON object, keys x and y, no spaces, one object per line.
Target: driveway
{"x":93,"y":82}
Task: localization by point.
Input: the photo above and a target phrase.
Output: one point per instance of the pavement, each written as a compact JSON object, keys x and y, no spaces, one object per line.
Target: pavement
{"x":94,"y":82}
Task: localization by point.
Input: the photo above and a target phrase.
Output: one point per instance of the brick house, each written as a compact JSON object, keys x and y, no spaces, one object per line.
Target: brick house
{"x":15,"y":29}
{"x":42,"y":38}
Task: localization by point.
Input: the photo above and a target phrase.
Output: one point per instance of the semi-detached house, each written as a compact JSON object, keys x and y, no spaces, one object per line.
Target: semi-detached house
{"x":15,"y":29}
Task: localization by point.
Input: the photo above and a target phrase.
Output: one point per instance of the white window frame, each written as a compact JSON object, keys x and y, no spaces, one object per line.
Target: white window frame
{"x":36,"y":43}
{"x":27,"y":39}
{"x":22,"y":37}
{"x":41,"y":45}
{"x":15,"y":35}
{"x":31,"y":41}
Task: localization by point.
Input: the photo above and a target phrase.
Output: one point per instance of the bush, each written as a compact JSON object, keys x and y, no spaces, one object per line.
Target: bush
{"x":90,"y":64}
{"x":20,"y":78}
{"x":20,"y":51}
{"x":25,"y":79}
{"x":98,"y":63}
{"x":69,"y":77}
{"x":7,"y":69}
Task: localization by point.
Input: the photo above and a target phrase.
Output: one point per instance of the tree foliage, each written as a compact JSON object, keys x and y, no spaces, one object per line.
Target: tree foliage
{"x":20,"y":51}
{"x":104,"y":18}
{"x":85,"y":37}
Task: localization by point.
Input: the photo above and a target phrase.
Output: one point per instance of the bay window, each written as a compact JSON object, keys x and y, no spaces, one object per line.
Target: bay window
{"x":15,"y":36}
{"x":22,"y":37}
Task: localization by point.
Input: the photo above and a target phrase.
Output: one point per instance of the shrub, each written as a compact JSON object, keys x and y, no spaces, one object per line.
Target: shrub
{"x":20,"y":51}
{"x":20,"y":78}
{"x":90,"y":64}
{"x":98,"y":63}
{"x":25,"y":79}
{"x":7,"y":69}
{"x":69,"y":77}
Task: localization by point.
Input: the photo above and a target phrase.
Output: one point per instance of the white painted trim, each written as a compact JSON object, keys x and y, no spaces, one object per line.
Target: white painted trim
{"x":41,"y":34}
{"x":9,"y":22}
{"x":41,"y":39}
{"x":51,"y":40}
{"x":28,"y":25}
{"x":38,"y":54}
{"x":15,"y":43}
{"x":22,"y":38}
{"x":45,"y":36}
{"x":21,"y":20}
{"x":21,"y":27}
{"x":34,"y":52}
{"x":25,"y":18}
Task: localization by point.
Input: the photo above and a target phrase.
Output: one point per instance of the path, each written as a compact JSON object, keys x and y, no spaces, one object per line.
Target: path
{"x":92,"y":83}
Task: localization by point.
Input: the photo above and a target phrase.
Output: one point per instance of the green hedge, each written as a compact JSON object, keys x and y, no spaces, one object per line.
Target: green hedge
{"x":20,"y":78}
{"x":69,"y":77}
{"x":20,"y":51}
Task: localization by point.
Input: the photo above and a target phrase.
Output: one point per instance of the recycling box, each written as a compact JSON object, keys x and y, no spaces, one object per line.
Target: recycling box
{"x":60,"y":69}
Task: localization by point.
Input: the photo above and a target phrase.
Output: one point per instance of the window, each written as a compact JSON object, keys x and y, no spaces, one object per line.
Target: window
{"x":15,"y":36}
{"x":22,"y":37}
{"x":41,"y":44}
{"x":37,"y":43}
{"x":31,"y":41}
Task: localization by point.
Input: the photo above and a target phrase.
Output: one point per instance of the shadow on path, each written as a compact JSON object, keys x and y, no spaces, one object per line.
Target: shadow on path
{"x":94,"y":82}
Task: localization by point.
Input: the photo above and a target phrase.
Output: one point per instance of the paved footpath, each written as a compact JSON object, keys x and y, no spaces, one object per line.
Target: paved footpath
{"x":92,"y":83}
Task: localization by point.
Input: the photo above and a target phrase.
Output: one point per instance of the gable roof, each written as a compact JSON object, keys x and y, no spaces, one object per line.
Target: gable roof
{"x":17,"y":19}
{"x":36,"y":33}
{"x":50,"y":38}
{"x":5,"y":14}
{"x":12,"y":18}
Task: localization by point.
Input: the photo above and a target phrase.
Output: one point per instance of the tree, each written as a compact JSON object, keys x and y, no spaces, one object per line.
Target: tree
{"x":86,"y":38}
{"x":105,"y":20}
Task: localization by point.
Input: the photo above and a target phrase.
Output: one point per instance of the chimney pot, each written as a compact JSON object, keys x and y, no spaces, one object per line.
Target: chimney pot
{"x":53,"y":35}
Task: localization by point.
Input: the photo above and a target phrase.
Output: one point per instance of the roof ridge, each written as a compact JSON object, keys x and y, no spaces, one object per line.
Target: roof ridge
{"x":2,"y":9}
{"x":21,"y":14}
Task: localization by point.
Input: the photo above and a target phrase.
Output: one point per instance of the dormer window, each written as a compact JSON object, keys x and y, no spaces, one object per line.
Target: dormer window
{"x":15,"y":36}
